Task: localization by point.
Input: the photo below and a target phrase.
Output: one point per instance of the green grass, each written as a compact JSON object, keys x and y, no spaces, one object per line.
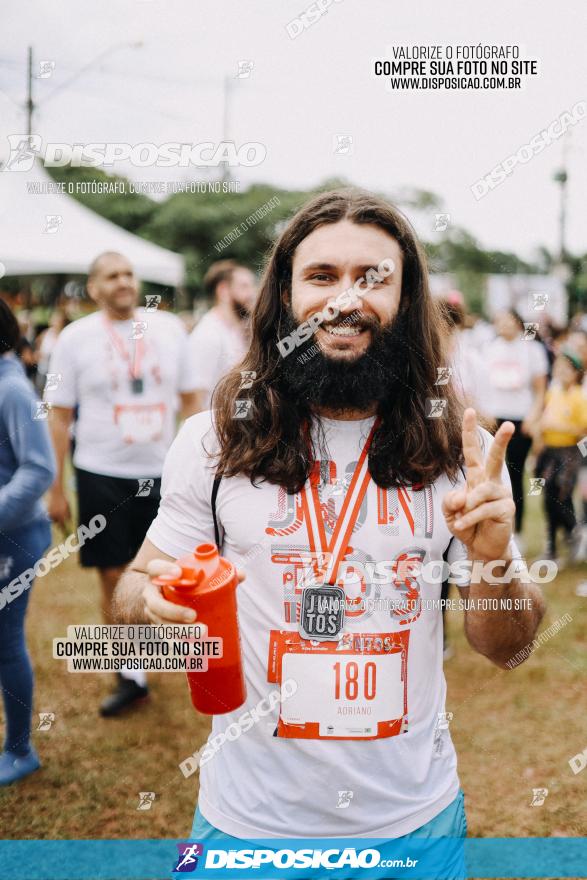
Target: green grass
{"x":514,"y":731}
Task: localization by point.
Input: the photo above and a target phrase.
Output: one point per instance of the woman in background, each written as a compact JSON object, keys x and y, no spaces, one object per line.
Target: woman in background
{"x":515,"y":370}
{"x":27,"y":470}
{"x":563,"y":423}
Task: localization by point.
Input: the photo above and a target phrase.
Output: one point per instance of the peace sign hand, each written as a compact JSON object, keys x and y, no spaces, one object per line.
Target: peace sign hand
{"x":481,"y":514}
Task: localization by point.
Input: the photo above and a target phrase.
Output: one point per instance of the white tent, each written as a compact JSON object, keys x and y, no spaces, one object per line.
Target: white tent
{"x":44,"y":232}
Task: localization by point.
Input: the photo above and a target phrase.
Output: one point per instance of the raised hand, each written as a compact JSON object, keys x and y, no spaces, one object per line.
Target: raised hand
{"x":481,"y":514}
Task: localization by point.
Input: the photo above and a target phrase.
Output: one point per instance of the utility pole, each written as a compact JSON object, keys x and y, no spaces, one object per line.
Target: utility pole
{"x":30,"y":106}
{"x":563,"y":268}
{"x":562,"y":177}
{"x":228,"y":85}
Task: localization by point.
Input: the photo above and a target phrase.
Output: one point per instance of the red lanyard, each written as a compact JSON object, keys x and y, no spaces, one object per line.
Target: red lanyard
{"x":331,"y":554}
{"x":138,"y":350}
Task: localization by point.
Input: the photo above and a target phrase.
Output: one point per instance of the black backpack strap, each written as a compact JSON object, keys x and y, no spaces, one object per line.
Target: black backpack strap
{"x":215,"y":488}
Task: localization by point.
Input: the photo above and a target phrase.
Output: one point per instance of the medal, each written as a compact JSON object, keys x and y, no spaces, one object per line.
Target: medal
{"x":322,"y":606}
{"x":133,"y":362}
{"x":322,"y":613}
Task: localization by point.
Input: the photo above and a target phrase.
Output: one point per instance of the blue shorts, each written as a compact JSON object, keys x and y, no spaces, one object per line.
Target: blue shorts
{"x":450,"y":822}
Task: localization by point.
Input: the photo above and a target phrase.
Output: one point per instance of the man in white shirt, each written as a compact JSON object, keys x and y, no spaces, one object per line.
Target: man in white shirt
{"x":336,"y":474}
{"x":221,"y":338}
{"x":123,"y":368}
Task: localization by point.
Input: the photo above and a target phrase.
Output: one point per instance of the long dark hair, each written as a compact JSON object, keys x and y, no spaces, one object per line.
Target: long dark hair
{"x":9,"y":329}
{"x":273,"y":444}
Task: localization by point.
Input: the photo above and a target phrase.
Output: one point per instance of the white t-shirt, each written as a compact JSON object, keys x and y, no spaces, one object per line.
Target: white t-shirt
{"x":466,"y":372}
{"x":508,"y":368}
{"x":265,"y":785}
{"x":118,"y":432}
{"x":215,"y":348}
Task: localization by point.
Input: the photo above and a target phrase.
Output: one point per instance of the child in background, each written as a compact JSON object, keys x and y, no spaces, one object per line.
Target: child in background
{"x":562,"y":425}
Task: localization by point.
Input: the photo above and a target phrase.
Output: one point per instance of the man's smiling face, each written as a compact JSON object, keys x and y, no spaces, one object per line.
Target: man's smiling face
{"x":331,"y":260}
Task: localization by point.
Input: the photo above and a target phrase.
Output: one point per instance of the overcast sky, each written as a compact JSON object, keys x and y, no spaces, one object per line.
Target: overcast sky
{"x":302,"y":93}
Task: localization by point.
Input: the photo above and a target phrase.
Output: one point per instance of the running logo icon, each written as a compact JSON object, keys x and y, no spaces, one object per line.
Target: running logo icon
{"x":187,"y":860}
{"x":344,"y":800}
{"x":145,"y":487}
{"x":443,"y":375}
{"x":146,"y":799}
{"x":536,"y":485}
{"x":23,"y":151}
{"x":435,"y":407}
{"x":46,"y":719}
{"x":152,"y":302}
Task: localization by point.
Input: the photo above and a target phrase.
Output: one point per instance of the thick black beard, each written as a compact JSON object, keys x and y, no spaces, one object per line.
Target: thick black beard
{"x":339,"y":384}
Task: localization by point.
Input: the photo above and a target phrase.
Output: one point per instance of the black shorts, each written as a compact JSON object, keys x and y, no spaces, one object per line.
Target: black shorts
{"x":128,"y":516}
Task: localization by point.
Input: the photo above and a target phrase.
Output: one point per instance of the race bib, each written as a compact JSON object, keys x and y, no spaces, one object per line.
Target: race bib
{"x":356,"y":689}
{"x":139,"y":422}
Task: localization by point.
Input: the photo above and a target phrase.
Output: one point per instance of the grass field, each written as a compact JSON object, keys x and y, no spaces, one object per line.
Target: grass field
{"x":514,"y":731}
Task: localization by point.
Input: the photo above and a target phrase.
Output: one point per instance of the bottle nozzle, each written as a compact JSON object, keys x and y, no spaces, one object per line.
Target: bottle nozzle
{"x":207,"y":558}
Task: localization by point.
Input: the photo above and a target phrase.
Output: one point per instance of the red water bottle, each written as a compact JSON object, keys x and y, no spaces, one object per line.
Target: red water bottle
{"x":208,"y":584}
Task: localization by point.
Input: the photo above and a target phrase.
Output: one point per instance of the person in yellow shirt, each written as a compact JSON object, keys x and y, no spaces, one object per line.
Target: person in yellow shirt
{"x":562,"y":425}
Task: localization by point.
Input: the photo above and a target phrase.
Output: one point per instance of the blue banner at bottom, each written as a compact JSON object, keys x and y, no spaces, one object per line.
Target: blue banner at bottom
{"x":418,"y":858}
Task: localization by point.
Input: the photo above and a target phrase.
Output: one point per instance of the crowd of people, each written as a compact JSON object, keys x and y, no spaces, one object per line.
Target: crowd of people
{"x":118,"y":382}
{"x":510,"y":371}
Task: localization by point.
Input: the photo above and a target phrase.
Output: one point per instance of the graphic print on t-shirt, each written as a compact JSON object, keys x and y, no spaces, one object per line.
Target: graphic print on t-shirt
{"x":355,"y":688}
